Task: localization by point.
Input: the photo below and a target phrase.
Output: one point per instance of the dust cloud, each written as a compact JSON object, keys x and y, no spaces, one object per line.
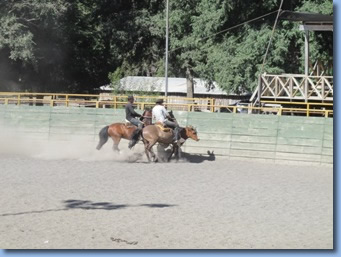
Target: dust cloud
{"x":14,"y":143}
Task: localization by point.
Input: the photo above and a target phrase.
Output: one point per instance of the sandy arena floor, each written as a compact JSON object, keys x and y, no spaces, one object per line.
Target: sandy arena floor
{"x":62,"y":197}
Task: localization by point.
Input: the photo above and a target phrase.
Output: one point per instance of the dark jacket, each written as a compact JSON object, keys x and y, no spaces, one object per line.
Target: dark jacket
{"x":130,"y":113}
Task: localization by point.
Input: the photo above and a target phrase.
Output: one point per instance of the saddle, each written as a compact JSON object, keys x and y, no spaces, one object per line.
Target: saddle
{"x":128,"y":124}
{"x":162,"y":127}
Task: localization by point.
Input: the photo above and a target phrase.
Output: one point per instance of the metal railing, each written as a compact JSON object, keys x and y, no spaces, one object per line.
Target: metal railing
{"x":172,"y":103}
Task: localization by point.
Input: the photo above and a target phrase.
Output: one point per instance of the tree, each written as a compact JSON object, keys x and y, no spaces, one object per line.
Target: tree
{"x":78,"y":45}
{"x":31,"y":39}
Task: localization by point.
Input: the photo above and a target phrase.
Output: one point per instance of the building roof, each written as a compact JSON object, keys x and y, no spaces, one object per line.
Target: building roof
{"x":311,"y":21}
{"x":157,"y":84}
{"x":306,"y":17}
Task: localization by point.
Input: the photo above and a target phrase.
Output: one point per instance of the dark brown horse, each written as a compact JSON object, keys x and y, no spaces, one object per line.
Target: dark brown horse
{"x":117,"y":131}
{"x":156,"y":134}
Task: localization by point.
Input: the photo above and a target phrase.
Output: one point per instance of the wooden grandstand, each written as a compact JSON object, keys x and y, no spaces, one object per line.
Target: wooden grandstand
{"x":313,"y":88}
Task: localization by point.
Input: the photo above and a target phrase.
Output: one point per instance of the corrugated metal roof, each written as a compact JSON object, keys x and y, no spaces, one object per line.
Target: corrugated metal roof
{"x":157,"y":84}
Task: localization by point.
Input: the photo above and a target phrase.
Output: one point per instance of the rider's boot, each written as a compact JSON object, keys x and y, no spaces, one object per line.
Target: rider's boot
{"x":135,"y":134}
{"x":131,"y":143}
{"x":176,"y":134}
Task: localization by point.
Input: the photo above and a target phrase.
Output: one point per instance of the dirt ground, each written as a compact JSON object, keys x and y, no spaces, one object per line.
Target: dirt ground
{"x":62,"y":195}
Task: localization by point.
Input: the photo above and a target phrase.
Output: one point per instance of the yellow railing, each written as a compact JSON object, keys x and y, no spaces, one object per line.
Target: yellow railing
{"x":172,"y":103}
{"x":17,"y":97}
{"x":307,"y":104}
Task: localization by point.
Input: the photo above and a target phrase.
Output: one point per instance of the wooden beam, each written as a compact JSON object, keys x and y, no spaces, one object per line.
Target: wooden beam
{"x":316,"y":27}
{"x":306,"y":52}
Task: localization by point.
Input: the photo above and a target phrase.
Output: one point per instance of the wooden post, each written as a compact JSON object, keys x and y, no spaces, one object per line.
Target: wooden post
{"x":322,"y":89}
{"x":259,"y":88}
{"x":279,"y":113}
{"x":276,"y":88}
{"x":306,"y":62}
{"x":212,"y":104}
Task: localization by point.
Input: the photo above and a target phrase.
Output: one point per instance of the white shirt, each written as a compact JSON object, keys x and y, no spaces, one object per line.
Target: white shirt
{"x":159,"y":113}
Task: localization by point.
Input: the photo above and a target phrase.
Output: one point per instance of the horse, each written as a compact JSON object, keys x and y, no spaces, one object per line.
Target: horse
{"x":164,"y":136}
{"x":117,"y":131}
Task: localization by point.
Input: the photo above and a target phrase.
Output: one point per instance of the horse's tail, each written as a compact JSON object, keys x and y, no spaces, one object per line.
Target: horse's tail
{"x":135,"y":138}
{"x":103,"y":137}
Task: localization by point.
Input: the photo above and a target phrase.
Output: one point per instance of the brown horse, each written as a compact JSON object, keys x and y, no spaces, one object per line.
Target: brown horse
{"x":156,"y":134}
{"x":117,"y":131}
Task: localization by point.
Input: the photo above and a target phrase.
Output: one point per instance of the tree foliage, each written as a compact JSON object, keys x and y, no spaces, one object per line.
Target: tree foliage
{"x":79,"y":45}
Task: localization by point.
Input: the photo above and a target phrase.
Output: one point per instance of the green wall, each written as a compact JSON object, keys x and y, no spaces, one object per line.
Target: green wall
{"x":236,"y":136}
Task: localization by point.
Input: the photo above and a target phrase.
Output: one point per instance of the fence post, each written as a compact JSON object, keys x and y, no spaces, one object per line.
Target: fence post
{"x":280,"y":112}
{"x":212,"y":104}
{"x":259,"y":88}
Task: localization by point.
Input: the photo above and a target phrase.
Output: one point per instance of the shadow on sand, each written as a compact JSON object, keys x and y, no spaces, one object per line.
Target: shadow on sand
{"x":198,"y":158}
{"x":89,"y":205}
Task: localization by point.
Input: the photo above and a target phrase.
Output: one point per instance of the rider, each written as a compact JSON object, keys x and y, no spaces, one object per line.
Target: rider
{"x":161,"y":115}
{"x":131,"y":114}
{"x":131,"y":117}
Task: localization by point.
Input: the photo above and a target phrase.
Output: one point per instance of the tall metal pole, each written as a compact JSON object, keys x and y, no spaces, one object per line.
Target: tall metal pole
{"x":166,"y":61}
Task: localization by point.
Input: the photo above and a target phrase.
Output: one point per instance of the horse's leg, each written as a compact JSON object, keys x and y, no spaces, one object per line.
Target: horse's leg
{"x":145,"y":142}
{"x":150,"y":149}
{"x":173,"y":150}
{"x":177,"y":152}
{"x":116,"y":140}
{"x":155,"y":159}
